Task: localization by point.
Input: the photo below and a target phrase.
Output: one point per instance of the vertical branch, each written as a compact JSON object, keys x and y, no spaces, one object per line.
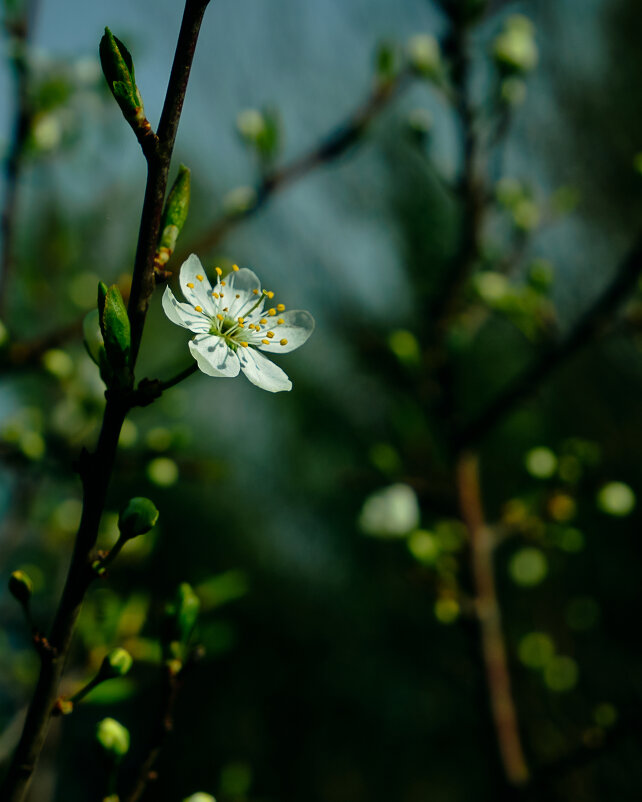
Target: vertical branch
{"x":96,"y":468}
{"x":489,"y":616}
{"x":19,"y":31}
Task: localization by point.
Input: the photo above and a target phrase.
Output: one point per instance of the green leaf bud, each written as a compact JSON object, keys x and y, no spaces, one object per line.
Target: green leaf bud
{"x":20,"y":586}
{"x":113,"y":737}
{"x":137,"y":517}
{"x":200,"y":797}
{"x":514,"y":49}
{"x":174,"y":215}
{"x":118,"y":68}
{"x":387,"y":62}
{"x":115,"y":664}
{"x":182,"y":614}
{"x":116,"y":328}
{"x":424,"y":55}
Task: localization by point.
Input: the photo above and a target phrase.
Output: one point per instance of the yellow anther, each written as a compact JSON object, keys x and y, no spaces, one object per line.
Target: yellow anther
{"x":237,"y":295}
{"x":283,"y":342}
{"x":241,"y":325}
{"x":280,"y":307}
{"x":265,"y":342}
{"x":244,"y":345}
{"x":280,"y":321}
{"x":235,"y":268}
{"x":218,"y":270}
{"x":226,"y":308}
{"x":198,"y":308}
{"x":270,"y":294}
{"x":272,"y":312}
{"x":199,"y":277}
{"x":263,"y":321}
{"x":220,"y":317}
{"x":216,"y":295}
{"x":190,"y":285}
{"x":270,"y":334}
{"x":256,"y":292}
{"x":222,"y":283}
{"x":241,"y":320}
{"x":222,"y":295}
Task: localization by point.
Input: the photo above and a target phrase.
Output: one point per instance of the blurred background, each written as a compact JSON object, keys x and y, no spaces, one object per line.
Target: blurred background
{"x":474,"y":205}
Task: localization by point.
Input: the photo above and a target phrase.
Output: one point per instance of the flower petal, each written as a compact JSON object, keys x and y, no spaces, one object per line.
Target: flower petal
{"x":183,"y":314}
{"x":260,"y":371}
{"x":242,"y":282}
{"x":214,"y":356}
{"x":195,"y":284}
{"x":297,"y":326}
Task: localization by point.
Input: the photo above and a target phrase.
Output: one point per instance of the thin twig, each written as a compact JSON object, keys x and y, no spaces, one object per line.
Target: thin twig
{"x":20,"y":31}
{"x":489,"y":616}
{"x":96,"y":469}
{"x":588,"y":328}
{"x":333,"y":145}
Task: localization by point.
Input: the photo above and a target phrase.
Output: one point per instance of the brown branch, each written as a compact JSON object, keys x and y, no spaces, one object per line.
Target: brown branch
{"x":96,"y":468}
{"x":331,"y":147}
{"x":591,"y":324}
{"x":20,"y":31}
{"x":489,"y":617}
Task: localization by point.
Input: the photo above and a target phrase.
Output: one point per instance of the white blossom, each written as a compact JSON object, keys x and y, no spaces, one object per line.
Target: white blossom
{"x":234,"y":321}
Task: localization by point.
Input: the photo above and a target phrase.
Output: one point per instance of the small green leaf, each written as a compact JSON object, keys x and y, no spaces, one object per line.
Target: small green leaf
{"x":137,"y":517}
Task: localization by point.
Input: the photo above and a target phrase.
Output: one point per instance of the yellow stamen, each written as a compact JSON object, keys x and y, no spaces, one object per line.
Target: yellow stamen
{"x":222,"y":283}
{"x":256,"y":292}
{"x":241,"y":320}
{"x":237,"y":295}
{"x":272,"y":312}
{"x":241,"y":325}
{"x":235,"y":268}
{"x":284,"y":342}
{"x":190,"y":285}
{"x":198,"y":308}
{"x":244,"y":345}
{"x":270,"y":334}
{"x":265,"y":342}
{"x":280,"y":307}
{"x":226,"y":309}
{"x":280,"y":321}
{"x":220,"y":317}
{"x":199,"y":277}
{"x":263,"y":321}
{"x":216,"y":295}
{"x":218,"y":270}
{"x":270,"y":294}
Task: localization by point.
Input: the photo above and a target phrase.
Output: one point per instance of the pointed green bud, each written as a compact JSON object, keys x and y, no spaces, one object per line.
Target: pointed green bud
{"x":182,"y":614}
{"x":115,"y":328}
{"x":174,"y":215}
{"x":115,"y":664}
{"x":20,"y":586}
{"x":113,"y":737}
{"x":137,"y":517}
{"x":118,"y":68}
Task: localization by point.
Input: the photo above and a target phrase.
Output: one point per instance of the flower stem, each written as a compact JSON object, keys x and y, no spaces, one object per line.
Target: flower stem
{"x":184,"y":374}
{"x":96,"y":468}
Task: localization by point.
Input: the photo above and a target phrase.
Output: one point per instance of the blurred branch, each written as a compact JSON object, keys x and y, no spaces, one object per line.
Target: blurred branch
{"x":489,"y":617}
{"x":591,"y":324}
{"x":96,"y":468}
{"x":172,"y":682}
{"x":331,"y":147}
{"x":19,"y":31}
